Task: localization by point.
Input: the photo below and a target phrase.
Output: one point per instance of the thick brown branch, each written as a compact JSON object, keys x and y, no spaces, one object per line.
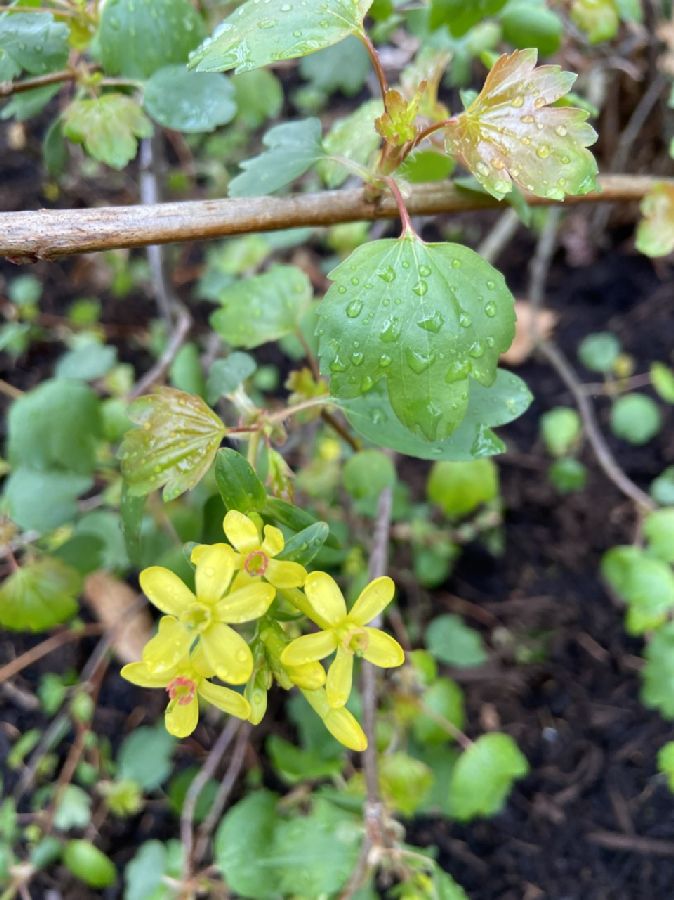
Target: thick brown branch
{"x":50,"y":233}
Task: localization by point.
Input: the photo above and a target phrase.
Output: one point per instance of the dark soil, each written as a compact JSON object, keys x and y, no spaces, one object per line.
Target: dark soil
{"x":593,"y":785}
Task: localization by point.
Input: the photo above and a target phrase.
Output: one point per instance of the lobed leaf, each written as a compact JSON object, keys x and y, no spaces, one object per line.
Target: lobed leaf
{"x":512,"y":133}
{"x":108,"y":126}
{"x":263,"y":308}
{"x":39,"y":595}
{"x":484,"y":775}
{"x":189,"y":101}
{"x":423,"y":318}
{"x":255,"y":35}
{"x":174,"y":446}
{"x":353,"y":138}
{"x":33,"y":43}
{"x":655,"y":234}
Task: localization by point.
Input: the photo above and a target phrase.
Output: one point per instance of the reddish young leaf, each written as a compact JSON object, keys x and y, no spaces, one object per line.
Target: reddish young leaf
{"x":511,"y":132}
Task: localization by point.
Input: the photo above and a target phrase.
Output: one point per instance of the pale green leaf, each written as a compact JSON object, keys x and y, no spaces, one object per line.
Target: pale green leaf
{"x":635,"y":418}
{"x":263,"y":308}
{"x":646,"y":585}
{"x":344,"y":67}
{"x":657,"y":690}
{"x":353,"y":138}
{"x":39,"y":500}
{"x":460,"y":16}
{"x":39,"y":595}
{"x":421,"y":317}
{"x":189,"y":101}
{"x":560,"y":429}
{"x":367,"y":473}
{"x":659,"y":532}
{"x":145,"y":757}
{"x":243,"y":846}
{"x":174,"y":445}
{"x":255,"y":35}
{"x":528,"y":23}
{"x":512,"y":133}
{"x":259,"y":96}
{"x":599,"y":351}
{"x":404,"y":781}
{"x":32,"y":43}
{"x":444,"y":699}
{"x":507,"y":398}
{"x":108,"y":126}
{"x":655,"y":234}
{"x":599,"y":19}
{"x":458,"y":488}
{"x":662,"y":379}
{"x":484,"y":775}
{"x":225,"y":375}
{"x":293,"y":148}
{"x":137,"y":38}
{"x":453,"y":642}
{"x":666,"y":763}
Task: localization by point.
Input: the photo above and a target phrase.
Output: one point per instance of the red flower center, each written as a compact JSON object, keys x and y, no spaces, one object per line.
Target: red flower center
{"x":182,"y":690}
{"x":256,"y":563}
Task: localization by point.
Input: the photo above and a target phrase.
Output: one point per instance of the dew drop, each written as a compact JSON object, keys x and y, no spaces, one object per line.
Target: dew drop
{"x":420,"y":288}
{"x":518,"y":101}
{"x":419,"y":362}
{"x":482,"y":168}
{"x":366,"y":384}
{"x":456,"y":263}
{"x":424,"y":271}
{"x":476,"y":349}
{"x":354,"y":309}
{"x":388,"y":274}
{"x":543,"y":151}
{"x":465,"y":320}
{"x":561,"y":130}
{"x":432,"y":323}
{"x":338,"y":365}
{"x":355,"y":281}
{"x":490,"y":309}
{"x":385,"y":360}
{"x":458,"y":370}
{"x":391,"y":330}
{"x":357,"y":358}
{"x":341,"y":289}
{"x":539,"y":102}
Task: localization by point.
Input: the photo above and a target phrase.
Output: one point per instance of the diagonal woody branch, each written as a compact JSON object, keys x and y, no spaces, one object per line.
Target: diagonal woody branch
{"x":50,"y":233}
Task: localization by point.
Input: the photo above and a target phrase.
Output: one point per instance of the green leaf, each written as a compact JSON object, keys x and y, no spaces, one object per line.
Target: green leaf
{"x":29,"y":103}
{"x":32,"y":43}
{"x":174,"y":445}
{"x":294,"y":147}
{"x":252,"y":37}
{"x":42,"y":424}
{"x":659,"y":532}
{"x":87,"y":361}
{"x":239,"y":486}
{"x":145,"y":757}
{"x":339,"y":68}
{"x":444,"y":698}
{"x":461,"y":16}
{"x":422,"y":166}
{"x":662,"y":487}
{"x":186,"y":373}
{"x":189,"y":101}
{"x":292,"y":517}
{"x":73,"y":809}
{"x":422,"y":317}
{"x":225,"y":375}
{"x":635,"y":418}
{"x":144,"y":874}
{"x":560,"y":429}
{"x":598,"y":352}
{"x":646,"y":585}
{"x":657,"y":690}
{"x":405,"y":782}
{"x":354,"y":138}
{"x":655,"y":234}
{"x":89,"y":864}
{"x":259,"y":96}
{"x":458,"y":488}
{"x":136,"y":38}
{"x":243,"y":844}
{"x":42,"y":500}
{"x":451,"y":641}
{"x":373,"y":418}
{"x":666,"y":763}
{"x":39,"y":595}
{"x":662,"y":379}
{"x":367,"y":473}
{"x":263,"y":308}
{"x":512,"y":133}
{"x":531,"y":24}
{"x":108,"y":126}
{"x":567,"y":475}
{"x":484,"y":775}
{"x":597,"y":18}
{"x":303,"y":546}
{"x":295,"y":765}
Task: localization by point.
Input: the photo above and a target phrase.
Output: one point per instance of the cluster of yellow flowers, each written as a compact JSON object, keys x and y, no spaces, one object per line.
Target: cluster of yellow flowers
{"x":236,"y":583}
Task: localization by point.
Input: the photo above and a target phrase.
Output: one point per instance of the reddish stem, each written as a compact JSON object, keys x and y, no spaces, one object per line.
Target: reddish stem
{"x":400,"y":203}
{"x":376,"y":64}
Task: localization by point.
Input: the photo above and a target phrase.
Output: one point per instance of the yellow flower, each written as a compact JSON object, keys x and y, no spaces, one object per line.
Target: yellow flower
{"x":206,"y":615}
{"x":184,"y":683}
{"x":347,"y":633}
{"x":256,"y":556}
{"x":341,"y":724}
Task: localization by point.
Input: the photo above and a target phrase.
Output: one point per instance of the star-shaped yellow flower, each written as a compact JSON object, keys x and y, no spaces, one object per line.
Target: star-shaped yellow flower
{"x":205,"y":615}
{"x":184,"y":683}
{"x":347,"y":633}
{"x":256,"y":556}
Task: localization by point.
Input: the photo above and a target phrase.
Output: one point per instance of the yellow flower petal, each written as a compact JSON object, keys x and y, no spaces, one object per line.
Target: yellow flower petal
{"x":343,"y":726}
{"x":138,"y":673}
{"x":285,"y":574}
{"x":325,"y":597}
{"x":225,"y":699}
{"x":181,"y":718}
{"x":165,"y":590}
{"x":241,"y":531}
{"x":310,"y":676}
{"x":246,"y":604}
{"x":299,"y":601}
{"x":273,"y":541}
{"x":373,"y":599}
{"x":382,"y":650}
{"x":199,"y":664}
{"x":228,"y":653}
{"x":309,"y":648}
{"x":168,"y":647}
{"x":215,"y":568}
{"x":340,"y":678}
{"x":318,"y":702}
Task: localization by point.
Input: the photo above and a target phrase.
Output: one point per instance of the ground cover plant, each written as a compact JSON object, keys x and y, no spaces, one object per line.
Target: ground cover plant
{"x":286,"y":614}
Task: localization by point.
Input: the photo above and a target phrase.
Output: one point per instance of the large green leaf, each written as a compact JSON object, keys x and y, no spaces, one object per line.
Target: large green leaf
{"x":40,"y":500}
{"x":422,"y":318}
{"x":55,"y":426}
{"x":32,"y":43}
{"x":243,"y":845}
{"x":293,"y":148}
{"x":39,"y":595}
{"x":137,"y":38}
{"x":461,"y":16}
{"x":507,"y":398}
{"x":174,"y":445}
{"x":263,"y":308}
{"x":189,"y":101}
{"x":108,"y":126}
{"x":483,"y":776}
{"x":256,"y":35}
{"x":511,"y":132}
{"x":344,"y":67}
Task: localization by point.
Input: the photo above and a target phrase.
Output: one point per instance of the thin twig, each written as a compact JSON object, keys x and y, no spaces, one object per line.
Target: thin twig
{"x":499,"y":236}
{"x":165,"y":361}
{"x":7,"y":88}
{"x":10,"y":669}
{"x":376,"y":64}
{"x":49,"y":233}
